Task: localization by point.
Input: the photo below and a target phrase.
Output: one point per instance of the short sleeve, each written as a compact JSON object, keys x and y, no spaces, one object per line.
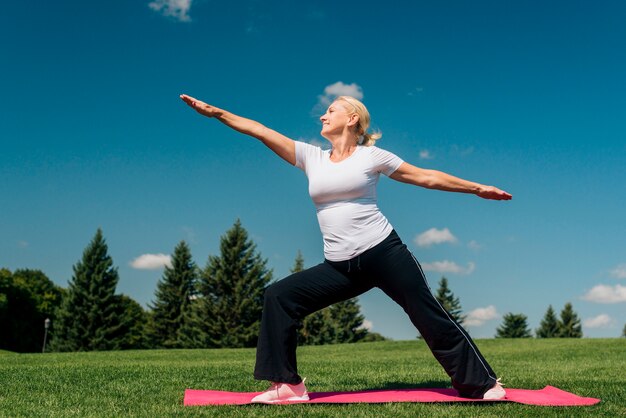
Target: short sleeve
{"x":385,"y":162}
{"x":304,"y":153}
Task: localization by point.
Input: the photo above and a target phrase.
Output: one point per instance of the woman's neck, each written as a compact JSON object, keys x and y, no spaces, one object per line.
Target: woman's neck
{"x":342,"y":146}
{"x":342,"y":149}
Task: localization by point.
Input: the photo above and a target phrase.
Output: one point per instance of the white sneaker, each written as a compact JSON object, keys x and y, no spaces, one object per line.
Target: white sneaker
{"x":283,"y":392}
{"x":496,"y":392}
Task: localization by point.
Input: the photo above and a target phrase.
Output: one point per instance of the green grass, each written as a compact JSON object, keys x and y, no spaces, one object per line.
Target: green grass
{"x":152,"y":383}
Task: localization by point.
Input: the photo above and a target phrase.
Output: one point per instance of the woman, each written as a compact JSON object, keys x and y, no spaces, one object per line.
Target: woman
{"x":361,"y":250}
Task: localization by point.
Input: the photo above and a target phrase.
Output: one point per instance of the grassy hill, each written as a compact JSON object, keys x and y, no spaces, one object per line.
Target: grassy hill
{"x":152,"y":383}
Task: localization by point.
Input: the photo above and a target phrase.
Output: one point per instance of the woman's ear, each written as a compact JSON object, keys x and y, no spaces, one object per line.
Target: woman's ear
{"x":354,"y":119}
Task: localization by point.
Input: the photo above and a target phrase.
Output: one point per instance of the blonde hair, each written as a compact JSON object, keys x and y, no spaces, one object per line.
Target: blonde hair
{"x":364,"y":137}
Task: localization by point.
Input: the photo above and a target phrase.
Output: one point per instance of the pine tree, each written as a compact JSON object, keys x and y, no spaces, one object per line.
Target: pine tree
{"x":172,"y":308}
{"x":450,"y":303}
{"x":513,"y":326}
{"x":317,"y":329}
{"x":133,"y":319}
{"x":347,"y":319}
{"x":335,"y":324}
{"x":338,"y":323}
{"x":298,"y":264}
{"x":624,"y":331}
{"x":89,"y":316}
{"x":231,"y":287}
{"x":189,"y":335}
{"x":570,"y":323}
{"x":549,"y":326}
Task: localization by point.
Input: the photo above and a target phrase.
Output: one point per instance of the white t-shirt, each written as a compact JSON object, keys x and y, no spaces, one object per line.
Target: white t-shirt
{"x":344,"y":194}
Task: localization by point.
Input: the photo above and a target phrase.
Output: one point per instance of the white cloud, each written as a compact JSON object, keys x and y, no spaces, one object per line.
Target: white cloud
{"x":339,"y":89}
{"x":426,"y":155}
{"x":177,"y":9}
{"x":619,"y":272}
{"x":367,"y":324}
{"x":473,"y":245}
{"x":463,"y":152}
{"x":479,"y":316}
{"x":434,"y":236}
{"x":600,"y":321}
{"x":151,"y":262}
{"x":414,"y":92}
{"x":449,"y":267}
{"x":606,"y":294}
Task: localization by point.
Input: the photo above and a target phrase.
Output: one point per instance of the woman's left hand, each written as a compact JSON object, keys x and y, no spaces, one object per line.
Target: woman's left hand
{"x":493,"y":193}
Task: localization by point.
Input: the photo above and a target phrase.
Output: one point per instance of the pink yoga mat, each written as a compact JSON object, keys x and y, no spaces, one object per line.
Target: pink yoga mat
{"x":548,"y":396}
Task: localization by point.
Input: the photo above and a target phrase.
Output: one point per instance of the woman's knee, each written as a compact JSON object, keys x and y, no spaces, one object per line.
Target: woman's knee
{"x":279,"y":292}
{"x":273,"y":291}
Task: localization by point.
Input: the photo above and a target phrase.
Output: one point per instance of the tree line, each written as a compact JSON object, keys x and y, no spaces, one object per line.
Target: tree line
{"x":217,"y":306}
{"x":515,"y":325}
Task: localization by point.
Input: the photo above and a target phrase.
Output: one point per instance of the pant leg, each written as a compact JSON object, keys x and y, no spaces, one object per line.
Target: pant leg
{"x":286,"y":303}
{"x":400,"y":276}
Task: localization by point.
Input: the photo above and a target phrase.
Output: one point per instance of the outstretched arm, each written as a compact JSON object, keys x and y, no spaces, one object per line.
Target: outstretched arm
{"x":284,"y":147}
{"x":432,"y":179}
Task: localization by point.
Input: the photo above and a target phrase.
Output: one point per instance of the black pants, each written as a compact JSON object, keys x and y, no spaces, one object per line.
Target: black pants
{"x":391,"y":267}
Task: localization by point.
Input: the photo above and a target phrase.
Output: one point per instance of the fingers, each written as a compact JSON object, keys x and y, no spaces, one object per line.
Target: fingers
{"x":199,"y":106}
{"x":189,"y":100}
{"x":502,"y":195}
{"x":494,"y":193}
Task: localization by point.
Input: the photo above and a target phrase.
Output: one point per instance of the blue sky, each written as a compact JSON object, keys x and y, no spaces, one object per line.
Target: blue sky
{"x":528,"y":96}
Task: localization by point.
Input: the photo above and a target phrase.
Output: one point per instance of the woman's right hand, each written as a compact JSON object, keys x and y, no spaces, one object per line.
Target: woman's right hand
{"x":201,"y":107}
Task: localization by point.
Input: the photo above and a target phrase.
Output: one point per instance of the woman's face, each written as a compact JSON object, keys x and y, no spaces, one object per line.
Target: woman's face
{"x":335,"y":120}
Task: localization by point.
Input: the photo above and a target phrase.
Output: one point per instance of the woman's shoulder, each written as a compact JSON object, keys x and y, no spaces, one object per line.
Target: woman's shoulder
{"x":383,"y":158}
{"x":310,"y":148}
{"x":307,"y":154}
{"x":375,"y":150}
